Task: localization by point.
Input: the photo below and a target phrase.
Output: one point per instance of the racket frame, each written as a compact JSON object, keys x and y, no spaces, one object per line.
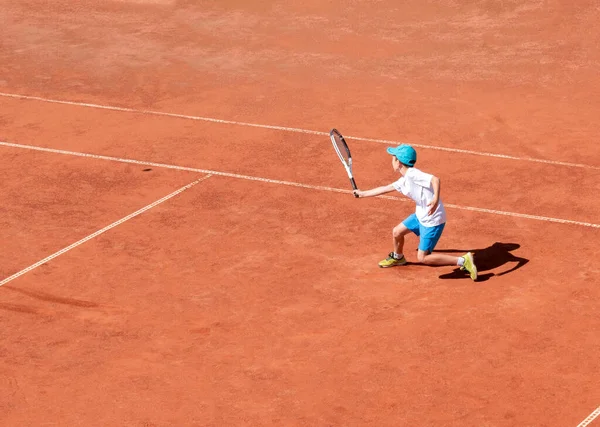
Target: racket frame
{"x":347,"y":165}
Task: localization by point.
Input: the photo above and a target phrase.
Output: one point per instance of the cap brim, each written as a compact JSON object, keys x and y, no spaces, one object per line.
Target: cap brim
{"x":391,"y":150}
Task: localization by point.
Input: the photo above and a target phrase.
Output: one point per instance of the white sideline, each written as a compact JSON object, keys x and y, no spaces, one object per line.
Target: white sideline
{"x":590,"y":418}
{"x":289,"y":183}
{"x":291,"y":129}
{"x":97,"y":233}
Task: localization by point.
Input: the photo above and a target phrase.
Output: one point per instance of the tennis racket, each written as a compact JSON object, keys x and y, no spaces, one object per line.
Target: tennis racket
{"x":343,"y":152}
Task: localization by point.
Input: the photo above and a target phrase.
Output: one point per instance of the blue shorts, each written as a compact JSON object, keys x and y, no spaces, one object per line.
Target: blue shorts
{"x":429,"y":236}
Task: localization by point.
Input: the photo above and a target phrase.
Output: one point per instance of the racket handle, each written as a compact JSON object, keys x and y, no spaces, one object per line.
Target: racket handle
{"x":354,"y":186}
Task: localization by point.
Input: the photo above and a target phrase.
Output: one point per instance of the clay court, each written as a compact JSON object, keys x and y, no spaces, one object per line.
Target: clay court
{"x":180,"y":244}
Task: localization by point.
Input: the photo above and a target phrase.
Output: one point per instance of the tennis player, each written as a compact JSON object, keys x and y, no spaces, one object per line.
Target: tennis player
{"x":429,"y":219}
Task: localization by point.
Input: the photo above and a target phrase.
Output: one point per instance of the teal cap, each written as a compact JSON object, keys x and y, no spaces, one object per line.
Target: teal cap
{"x":404,"y":153}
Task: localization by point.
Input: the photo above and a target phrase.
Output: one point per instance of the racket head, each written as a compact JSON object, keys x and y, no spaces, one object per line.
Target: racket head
{"x":341,"y":147}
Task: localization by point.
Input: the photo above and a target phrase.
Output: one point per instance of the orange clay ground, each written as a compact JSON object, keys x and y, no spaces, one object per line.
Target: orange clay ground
{"x":253,"y":298}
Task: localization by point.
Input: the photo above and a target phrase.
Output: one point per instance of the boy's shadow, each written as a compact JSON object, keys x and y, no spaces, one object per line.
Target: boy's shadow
{"x":488,"y":259}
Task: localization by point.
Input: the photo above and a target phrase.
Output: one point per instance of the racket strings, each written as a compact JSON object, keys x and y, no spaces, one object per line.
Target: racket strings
{"x":341,"y":149}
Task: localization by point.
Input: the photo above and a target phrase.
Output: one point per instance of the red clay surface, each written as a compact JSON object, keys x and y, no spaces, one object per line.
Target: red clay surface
{"x":54,"y":201}
{"x":293,"y":157}
{"x":244,"y":303}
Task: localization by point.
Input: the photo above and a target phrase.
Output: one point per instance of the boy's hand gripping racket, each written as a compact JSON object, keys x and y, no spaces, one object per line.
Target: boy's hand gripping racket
{"x":343,"y":152}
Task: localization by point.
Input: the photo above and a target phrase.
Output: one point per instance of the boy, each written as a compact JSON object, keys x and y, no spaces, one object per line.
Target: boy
{"x":429,"y":219}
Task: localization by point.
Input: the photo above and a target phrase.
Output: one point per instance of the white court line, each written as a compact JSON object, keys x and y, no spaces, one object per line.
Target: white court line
{"x":590,"y":418}
{"x":97,"y":233}
{"x":289,"y":183}
{"x":291,"y":129}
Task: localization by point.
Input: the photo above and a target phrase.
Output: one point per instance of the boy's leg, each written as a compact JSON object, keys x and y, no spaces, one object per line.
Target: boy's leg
{"x":466,"y":261}
{"x":429,"y":258}
{"x":398,"y":233}
{"x":429,"y":238}
{"x":409,"y":225}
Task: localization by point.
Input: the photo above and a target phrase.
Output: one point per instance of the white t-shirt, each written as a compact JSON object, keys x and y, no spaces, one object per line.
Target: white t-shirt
{"x":417,"y":185}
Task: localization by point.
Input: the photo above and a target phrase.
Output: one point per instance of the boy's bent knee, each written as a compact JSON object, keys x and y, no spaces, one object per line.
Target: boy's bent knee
{"x":422,"y":256}
{"x":399,"y":230}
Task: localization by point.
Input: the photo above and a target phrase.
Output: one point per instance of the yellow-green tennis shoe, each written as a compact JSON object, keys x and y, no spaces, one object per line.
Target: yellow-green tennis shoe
{"x":470,"y":266}
{"x":390,"y":261}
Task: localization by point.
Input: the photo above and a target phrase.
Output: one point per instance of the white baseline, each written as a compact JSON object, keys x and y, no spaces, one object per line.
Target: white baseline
{"x":590,"y":418}
{"x":103,"y":230}
{"x":291,"y":129}
{"x":289,"y":183}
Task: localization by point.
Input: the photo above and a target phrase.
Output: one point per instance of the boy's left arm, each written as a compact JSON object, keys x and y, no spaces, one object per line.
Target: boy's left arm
{"x":435,"y":183}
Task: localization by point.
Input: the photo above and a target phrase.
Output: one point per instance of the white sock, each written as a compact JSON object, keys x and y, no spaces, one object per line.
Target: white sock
{"x":398,"y":256}
{"x":460,"y":262}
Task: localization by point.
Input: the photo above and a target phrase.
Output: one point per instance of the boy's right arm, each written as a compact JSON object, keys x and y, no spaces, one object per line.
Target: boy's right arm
{"x":375,"y":191}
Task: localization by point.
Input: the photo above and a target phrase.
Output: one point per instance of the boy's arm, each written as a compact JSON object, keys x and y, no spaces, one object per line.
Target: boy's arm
{"x":375,"y":191}
{"x":435,"y":183}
